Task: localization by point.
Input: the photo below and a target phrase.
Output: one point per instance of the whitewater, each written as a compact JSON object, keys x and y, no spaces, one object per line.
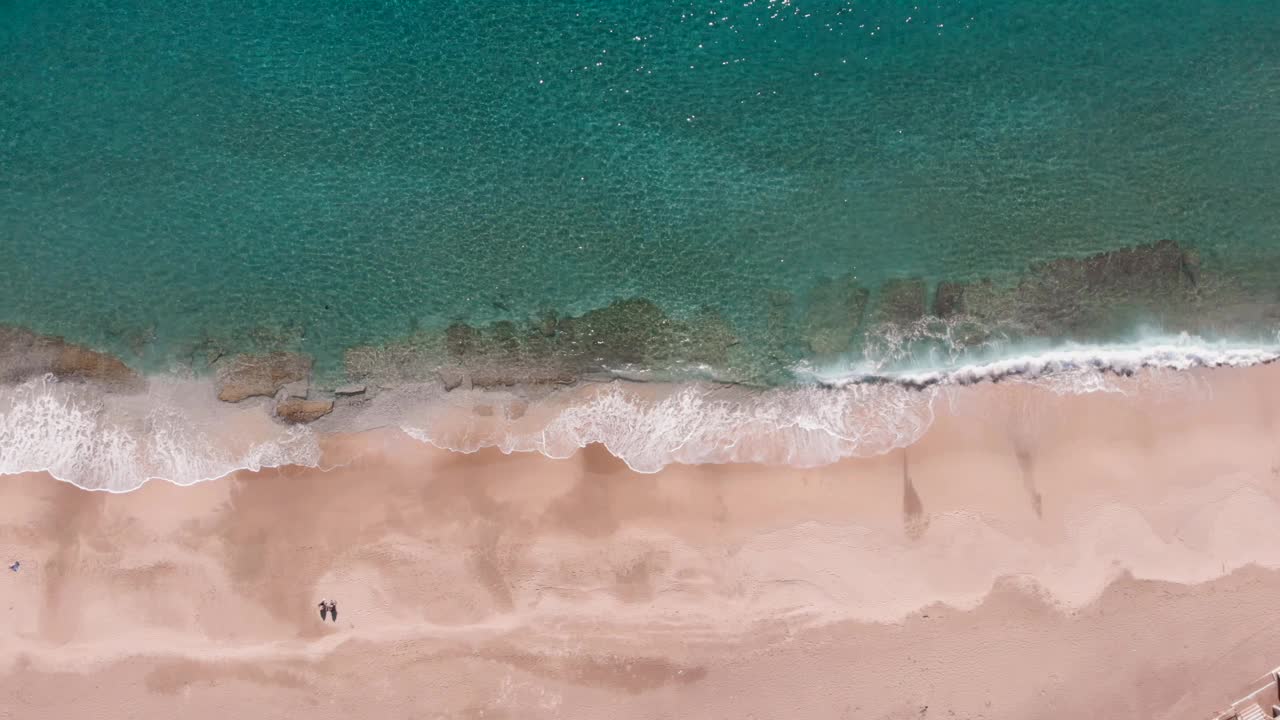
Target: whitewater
{"x":177,"y":431}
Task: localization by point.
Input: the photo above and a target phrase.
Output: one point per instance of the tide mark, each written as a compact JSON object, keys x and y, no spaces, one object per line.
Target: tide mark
{"x":633,"y":675}
{"x":914,"y":521}
{"x":170,"y":678}
{"x":1027,"y":464}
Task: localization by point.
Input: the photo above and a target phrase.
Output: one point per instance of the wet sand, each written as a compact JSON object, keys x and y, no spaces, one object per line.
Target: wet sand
{"x":1033,"y":556}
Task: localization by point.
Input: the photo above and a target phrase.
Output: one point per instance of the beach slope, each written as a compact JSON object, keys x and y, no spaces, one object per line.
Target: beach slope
{"x":1034,"y":555}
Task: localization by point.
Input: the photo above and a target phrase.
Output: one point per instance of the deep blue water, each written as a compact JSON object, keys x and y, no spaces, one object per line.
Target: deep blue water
{"x":318,"y":175}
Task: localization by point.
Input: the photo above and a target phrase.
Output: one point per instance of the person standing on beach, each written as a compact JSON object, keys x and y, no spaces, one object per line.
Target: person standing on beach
{"x":324,"y":606}
{"x":333,"y":611}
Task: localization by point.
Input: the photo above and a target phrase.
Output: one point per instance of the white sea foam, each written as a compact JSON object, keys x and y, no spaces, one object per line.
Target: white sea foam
{"x":649,"y":428}
{"x":178,"y":431}
{"x":844,"y":413}
{"x":1184,"y":352}
{"x":175,"y":432}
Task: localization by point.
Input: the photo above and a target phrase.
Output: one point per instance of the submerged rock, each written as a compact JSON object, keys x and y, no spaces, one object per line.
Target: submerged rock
{"x":833,"y":314}
{"x":25,"y":354}
{"x":625,"y":332}
{"x":781,"y":334}
{"x":948,"y":299}
{"x":1084,"y":296}
{"x":294,"y":410}
{"x":902,"y":301}
{"x":496,"y":374}
{"x":549,"y":323}
{"x":245,"y":376}
{"x":451,"y":378}
{"x":1191,"y":266}
{"x":549,"y":349}
{"x":413,"y":359}
{"x":75,"y":361}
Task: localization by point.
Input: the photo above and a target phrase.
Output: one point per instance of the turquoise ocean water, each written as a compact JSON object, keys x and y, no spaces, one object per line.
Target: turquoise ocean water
{"x":319,"y":175}
{"x":764,"y":191}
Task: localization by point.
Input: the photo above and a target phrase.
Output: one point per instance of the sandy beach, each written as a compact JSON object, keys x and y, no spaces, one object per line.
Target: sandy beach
{"x":1033,"y":555}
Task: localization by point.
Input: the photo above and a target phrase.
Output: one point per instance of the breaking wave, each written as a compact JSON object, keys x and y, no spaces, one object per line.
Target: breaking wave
{"x":1181,"y":353}
{"x":649,"y":428}
{"x":173,"y":432}
{"x":840,"y":413}
{"x":178,"y":431}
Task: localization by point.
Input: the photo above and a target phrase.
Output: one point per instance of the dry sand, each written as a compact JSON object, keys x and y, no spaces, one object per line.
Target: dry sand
{"x":1033,"y":556}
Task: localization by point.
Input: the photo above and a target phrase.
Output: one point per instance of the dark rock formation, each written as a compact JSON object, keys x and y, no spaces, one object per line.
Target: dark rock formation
{"x":245,"y":376}
{"x":1191,"y":266}
{"x":902,"y":301}
{"x":548,"y":349}
{"x":25,"y":354}
{"x":452,"y":378}
{"x":294,"y":410}
{"x":548,"y":323}
{"x":625,"y":332}
{"x":832,"y":314}
{"x":781,"y":338}
{"x":1082,"y":296}
{"x":349,"y":390}
{"x":413,"y":359}
{"x":948,"y":299}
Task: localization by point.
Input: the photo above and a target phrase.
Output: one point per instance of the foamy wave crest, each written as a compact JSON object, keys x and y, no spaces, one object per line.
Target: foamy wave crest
{"x":176,"y":432}
{"x":842,"y":414}
{"x":649,"y":427}
{"x":1084,"y":363}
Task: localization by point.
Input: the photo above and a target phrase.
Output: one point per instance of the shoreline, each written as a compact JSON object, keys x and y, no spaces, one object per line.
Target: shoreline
{"x":1079,"y":517}
{"x":119,"y":431}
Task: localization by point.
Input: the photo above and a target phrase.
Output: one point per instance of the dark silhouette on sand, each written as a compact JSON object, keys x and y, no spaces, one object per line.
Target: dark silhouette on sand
{"x":324,"y":607}
{"x":333,"y":610}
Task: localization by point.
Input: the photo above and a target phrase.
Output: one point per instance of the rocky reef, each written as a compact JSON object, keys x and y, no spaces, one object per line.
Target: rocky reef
{"x":1095,"y":297}
{"x":283,"y":376}
{"x":625,"y":335}
{"x":833,"y":314}
{"x":245,"y":376}
{"x":25,"y":354}
{"x":1098,"y":297}
{"x":1089,"y":296}
{"x":296,"y":410}
{"x":902,"y":301}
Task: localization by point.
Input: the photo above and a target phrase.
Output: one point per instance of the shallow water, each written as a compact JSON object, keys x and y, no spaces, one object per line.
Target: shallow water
{"x":316,"y":176}
{"x":179,"y":431}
